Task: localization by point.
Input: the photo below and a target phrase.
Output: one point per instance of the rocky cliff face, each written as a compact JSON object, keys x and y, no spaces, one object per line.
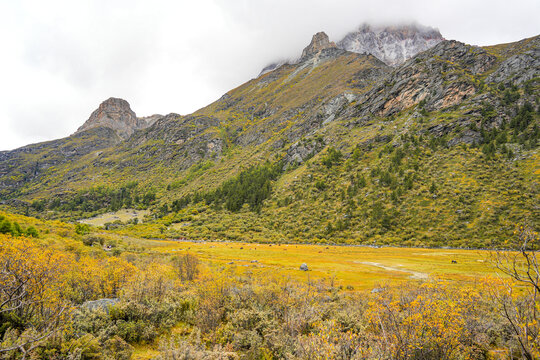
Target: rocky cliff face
{"x":150,"y":120}
{"x":30,"y":163}
{"x":520,"y":67}
{"x":440,"y":77}
{"x":115,"y":114}
{"x":391,"y":44}
{"x":318,"y":43}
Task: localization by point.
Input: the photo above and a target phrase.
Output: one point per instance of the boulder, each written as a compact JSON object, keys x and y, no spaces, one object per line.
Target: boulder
{"x":101,"y":304}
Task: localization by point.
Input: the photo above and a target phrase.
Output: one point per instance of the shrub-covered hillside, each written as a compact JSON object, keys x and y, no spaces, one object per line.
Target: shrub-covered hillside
{"x":439,"y":151}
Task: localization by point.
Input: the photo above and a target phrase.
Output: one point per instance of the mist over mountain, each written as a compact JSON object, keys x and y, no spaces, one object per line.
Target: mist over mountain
{"x":392,"y":44}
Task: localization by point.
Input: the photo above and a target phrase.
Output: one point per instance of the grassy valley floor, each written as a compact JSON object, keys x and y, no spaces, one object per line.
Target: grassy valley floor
{"x":355,"y":267}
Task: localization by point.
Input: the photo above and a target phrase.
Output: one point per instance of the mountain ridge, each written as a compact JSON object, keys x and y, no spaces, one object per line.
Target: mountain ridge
{"x":392,"y":44}
{"x":363,"y":151}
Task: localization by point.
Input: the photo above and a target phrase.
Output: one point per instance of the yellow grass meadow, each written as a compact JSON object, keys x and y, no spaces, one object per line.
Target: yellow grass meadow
{"x":353,"y":266}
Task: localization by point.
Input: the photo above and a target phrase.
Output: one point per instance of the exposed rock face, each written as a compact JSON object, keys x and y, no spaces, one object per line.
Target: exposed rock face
{"x":115,"y":114}
{"x":31,"y":162}
{"x":186,"y":135}
{"x":391,"y":44}
{"x":150,"y":120}
{"x":520,"y":67}
{"x":318,"y":43}
{"x":434,"y":76}
{"x":302,"y":150}
{"x":101,"y":304}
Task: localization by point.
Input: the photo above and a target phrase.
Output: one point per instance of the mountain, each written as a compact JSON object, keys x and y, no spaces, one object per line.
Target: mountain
{"x":111,"y":123}
{"x":319,"y":42}
{"x":115,"y":114}
{"x":441,"y":150}
{"x":391,"y":44}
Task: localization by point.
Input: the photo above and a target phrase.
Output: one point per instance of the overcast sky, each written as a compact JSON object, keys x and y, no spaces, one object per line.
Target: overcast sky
{"x":60,"y":59}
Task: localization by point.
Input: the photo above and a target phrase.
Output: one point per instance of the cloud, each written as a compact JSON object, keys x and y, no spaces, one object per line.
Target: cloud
{"x":61,"y":58}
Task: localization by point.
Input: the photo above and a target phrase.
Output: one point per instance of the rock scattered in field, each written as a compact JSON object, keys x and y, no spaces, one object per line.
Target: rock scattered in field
{"x":304,"y":267}
{"x":101,"y":304}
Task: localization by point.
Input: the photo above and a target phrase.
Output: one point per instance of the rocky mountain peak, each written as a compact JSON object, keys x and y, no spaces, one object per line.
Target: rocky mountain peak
{"x":318,"y":43}
{"x":392,"y":44}
{"x":116,"y":114}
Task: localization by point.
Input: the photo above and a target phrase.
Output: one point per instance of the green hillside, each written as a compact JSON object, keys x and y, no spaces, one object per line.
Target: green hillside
{"x":439,"y":151}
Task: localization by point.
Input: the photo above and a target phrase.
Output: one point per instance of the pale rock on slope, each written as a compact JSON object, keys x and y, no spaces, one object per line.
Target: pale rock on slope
{"x":391,"y":44}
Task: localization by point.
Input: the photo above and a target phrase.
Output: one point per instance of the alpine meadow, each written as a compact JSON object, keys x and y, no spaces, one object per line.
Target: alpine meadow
{"x":373,"y":197}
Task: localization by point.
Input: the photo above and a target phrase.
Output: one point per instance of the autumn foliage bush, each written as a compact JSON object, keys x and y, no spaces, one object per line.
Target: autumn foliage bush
{"x":40,"y":288}
{"x":429,"y":321}
{"x":224,"y":312}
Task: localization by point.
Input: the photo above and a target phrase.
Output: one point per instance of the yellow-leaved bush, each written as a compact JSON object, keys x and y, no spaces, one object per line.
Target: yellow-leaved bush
{"x":39,"y":287}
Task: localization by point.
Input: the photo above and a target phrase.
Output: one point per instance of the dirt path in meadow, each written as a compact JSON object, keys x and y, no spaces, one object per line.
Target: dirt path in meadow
{"x":414,"y":274}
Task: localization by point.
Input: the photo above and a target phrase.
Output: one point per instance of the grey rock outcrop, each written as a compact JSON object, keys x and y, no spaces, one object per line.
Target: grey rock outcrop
{"x":101,"y":304}
{"x":468,"y":137}
{"x":304,"y":267}
{"x":319,"y":42}
{"x":520,"y":67}
{"x":433,"y":77}
{"x":115,"y":114}
{"x":302,"y":150}
{"x":392,"y":44}
{"x":150,"y":120}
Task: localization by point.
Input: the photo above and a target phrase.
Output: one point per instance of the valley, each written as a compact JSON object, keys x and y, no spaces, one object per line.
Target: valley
{"x":376,"y":197}
{"x":356,"y":267}
{"x":164,"y":296}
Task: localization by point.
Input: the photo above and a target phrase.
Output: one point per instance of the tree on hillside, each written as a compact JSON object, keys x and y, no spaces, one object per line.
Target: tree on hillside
{"x":520,"y":304}
{"x":187,"y":267}
{"x":30,"y":310}
{"x":332,"y":157}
